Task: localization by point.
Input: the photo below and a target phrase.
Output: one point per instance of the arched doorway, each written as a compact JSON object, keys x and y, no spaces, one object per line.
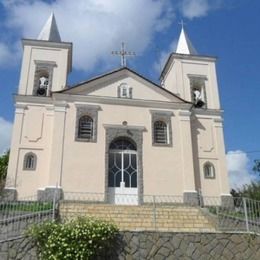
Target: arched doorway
{"x":122,"y":172}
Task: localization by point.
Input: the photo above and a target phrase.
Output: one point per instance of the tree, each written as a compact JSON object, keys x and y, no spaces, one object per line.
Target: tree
{"x":251,"y":191}
{"x":3,"y":168}
{"x":256,"y":167}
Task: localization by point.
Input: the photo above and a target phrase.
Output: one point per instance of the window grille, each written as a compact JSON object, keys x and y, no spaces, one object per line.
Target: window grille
{"x":122,"y":144}
{"x":122,"y":164}
{"x":209,"y":171}
{"x":160,"y":132}
{"x":30,"y":161}
{"x":85,"y":127}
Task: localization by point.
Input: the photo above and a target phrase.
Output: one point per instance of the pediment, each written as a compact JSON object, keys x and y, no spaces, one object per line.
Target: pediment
{"x":107,"y":85}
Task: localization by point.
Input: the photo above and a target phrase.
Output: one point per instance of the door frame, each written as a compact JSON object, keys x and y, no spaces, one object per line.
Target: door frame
{"x":135,"y":135}
{"x":123,"y":195}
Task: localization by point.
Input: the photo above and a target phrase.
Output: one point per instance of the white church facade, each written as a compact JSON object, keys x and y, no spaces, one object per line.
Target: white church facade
{"x":117,"y":134}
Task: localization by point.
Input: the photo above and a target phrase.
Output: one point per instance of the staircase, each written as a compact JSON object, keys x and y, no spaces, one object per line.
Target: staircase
{"x":143,"y":217}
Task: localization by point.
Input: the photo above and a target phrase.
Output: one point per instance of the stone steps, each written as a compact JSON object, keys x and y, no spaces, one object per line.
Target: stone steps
{"x":142,"y":217}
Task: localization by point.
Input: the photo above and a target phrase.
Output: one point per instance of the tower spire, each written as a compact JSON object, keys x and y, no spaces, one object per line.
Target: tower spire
{"x":50,"y":30}
{"x":184,"y":45}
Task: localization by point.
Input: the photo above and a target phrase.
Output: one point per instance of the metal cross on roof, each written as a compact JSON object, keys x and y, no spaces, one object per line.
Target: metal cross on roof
{"x":123,"y":53}
{"x":182,"y":24}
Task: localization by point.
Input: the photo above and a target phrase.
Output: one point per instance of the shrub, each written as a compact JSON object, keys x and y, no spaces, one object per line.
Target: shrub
{"x":82,"y":238}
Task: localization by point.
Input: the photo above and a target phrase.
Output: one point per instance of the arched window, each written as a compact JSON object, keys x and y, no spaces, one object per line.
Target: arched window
{"x":30,"y":161}
{"x":209,"y":171}
{"x":122,"y":144}
{"x":160,"y":132}
{"x":85,"y":127}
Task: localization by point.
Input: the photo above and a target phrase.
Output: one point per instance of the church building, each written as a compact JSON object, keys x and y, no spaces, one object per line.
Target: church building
{"x":118,"y":134}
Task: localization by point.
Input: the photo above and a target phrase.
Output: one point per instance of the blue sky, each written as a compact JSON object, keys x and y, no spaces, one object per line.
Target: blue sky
{"x":228,"y":29}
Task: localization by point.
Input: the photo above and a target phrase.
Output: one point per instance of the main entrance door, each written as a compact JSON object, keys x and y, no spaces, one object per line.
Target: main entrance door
{"x":122,"y":172}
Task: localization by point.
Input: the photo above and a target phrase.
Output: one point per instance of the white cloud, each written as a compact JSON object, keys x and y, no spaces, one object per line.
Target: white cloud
{"x":159,"y":64}
{"x":9,"y":54}
{"x":5,"y":54}
{"x":198,"y":8}
{"x":237,"y":163}
{"x":96,"y":27}
{"x":5,"y":135}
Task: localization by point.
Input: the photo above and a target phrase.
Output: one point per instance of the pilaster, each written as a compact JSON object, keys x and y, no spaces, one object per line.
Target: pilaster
{"x":220,"y":151}
{"x":189,"y":192}
{"x":57,"y":144}
{"x":11,"y":181}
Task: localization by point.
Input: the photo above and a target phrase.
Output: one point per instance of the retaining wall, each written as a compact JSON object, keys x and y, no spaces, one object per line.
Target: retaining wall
{"x":159,"y":246}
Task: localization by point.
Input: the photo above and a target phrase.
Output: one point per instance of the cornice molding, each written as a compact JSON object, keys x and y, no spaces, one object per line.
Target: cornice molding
{"x":126,"y":127}
{"x":185,"y":113}
{"x":185,"y":57}
{"x":42,"y":43}
{"x":218,"y":120}
{"x":82,"y":100}
{"x":87,"y":106}
{"x":207,"y":112}
{"x":121,"y":101}
{"x":20,"y":108}
{"x":33,"y":99}
{"x":162,"y":112}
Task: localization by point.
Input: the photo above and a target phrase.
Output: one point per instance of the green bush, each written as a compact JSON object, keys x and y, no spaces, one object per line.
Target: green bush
{"x":82,"y":238}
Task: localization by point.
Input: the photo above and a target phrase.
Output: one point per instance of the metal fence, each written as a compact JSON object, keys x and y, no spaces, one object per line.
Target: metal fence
{"x":121,"y":199}
{"x":234,"y":214}
{"x":17,"y":216}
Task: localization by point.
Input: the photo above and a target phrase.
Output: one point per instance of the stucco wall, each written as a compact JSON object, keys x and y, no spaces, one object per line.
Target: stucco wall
{"x":49,"y":131}
{"x":162,"y":166}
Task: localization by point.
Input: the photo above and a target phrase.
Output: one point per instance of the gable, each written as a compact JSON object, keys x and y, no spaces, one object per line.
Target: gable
{"x":108,"y":86}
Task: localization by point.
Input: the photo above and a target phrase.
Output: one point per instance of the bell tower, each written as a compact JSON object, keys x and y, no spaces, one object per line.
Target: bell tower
{"x":191,"y":76}
{"x":46,"y":62}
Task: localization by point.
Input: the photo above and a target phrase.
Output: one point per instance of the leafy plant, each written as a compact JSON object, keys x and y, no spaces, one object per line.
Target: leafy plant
{"x":256,"y":167}
{"x":82,"y":238}
{"x":251,"y":191}
{"x":3,"y":168}
{"x":32,"y":206}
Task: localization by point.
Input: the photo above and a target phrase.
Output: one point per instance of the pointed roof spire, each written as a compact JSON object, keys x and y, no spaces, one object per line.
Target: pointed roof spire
{"x":184,"y":45}
{"x":50,"y":30}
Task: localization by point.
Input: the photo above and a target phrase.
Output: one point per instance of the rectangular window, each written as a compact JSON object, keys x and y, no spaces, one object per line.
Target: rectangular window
{"x":124,"y":91}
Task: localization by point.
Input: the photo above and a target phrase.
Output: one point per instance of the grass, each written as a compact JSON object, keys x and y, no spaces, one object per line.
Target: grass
{"x":32,"y":206}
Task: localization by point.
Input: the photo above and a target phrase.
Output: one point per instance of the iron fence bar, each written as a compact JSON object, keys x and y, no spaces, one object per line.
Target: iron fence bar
{"x":54,"y":204}
{"x":246,"y":214}
{"x":154,"y":212}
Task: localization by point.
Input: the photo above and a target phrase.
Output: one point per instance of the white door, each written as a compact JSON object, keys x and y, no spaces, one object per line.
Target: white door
{"x":122,"y":173}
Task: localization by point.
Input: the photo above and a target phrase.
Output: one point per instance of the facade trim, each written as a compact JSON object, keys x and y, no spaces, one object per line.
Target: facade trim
{"x":91,"y":111}
{"x":135,"y":135}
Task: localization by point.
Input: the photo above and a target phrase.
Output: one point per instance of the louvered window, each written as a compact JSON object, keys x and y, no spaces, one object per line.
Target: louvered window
{"x":160,"y":132}
{"x":85,"y":127}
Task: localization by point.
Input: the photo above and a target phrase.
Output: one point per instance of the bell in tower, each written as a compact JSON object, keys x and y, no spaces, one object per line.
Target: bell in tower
{"x":46,"y":62}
